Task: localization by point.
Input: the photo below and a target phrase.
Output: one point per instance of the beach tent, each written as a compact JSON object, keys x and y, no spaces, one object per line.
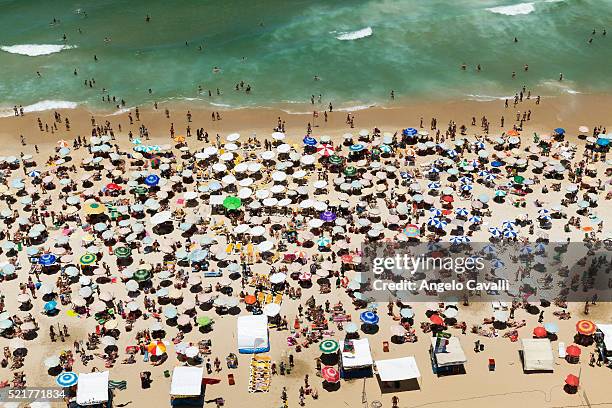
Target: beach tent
{"x":253,"y":334}
{"x":92,"y":389}
{"x":606,"y":331}
{"x":356,"y":362}
{"x":537,"y":355}
{"x":186,"y":388}
{"x":450,"y":358}
{"x":398,"y":369}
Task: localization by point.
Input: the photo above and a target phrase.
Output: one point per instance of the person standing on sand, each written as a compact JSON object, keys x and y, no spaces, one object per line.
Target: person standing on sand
{"x":331,"y":107}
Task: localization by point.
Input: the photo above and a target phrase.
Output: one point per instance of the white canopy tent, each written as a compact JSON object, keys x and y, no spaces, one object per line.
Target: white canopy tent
{"x":186,"y":381}
{"x":361,"y":357}
{"x":92,"y":388}
{"x":398,"y":369}
{"x":537,"y":355}
{"x":253,"y":334}
{"x":453,"y":356}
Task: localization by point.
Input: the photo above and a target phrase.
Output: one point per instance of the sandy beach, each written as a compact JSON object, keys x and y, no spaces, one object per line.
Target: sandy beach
{"x":105,"y":277}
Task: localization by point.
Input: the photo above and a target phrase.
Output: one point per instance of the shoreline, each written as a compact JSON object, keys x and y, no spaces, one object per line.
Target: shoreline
{"x":570,"y":112}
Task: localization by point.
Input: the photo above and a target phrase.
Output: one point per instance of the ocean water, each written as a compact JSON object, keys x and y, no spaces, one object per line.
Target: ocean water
{"x":360,"y":50}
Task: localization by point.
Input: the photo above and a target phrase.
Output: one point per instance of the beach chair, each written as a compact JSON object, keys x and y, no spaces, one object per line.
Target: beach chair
{"x":278,"y":299}
{"x":213,"y":274}
{"x":261,"y":297}
{"x":238,"y":247}
{"x":229,"y":248}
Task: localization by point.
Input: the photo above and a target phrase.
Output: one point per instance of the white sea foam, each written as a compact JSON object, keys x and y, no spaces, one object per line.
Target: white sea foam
{"x":35,"y":50}
{"x":486,"y":98}
{"x":41,"y":106}
{"x":355,"y":35}
{"x":514,"y":10}
{"x":355,"y":108}
{"x":120,"y":111}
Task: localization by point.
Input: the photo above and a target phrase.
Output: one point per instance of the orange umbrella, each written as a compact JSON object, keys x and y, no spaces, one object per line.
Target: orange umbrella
{"x":572,"y":380}
{"x":250,"y":299}
{"x":156,"y":348}
{"x":512,"y":132}
{"x":586,"y":327}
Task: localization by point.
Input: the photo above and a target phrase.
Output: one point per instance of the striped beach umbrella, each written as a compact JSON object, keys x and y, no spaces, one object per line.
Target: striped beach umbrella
{"x":142,"y":275}
{"x":586,"y":327}
{"x":122,"y":252}
{"x":508,"y":233}
{"x":330,"y":374}
{"x":475,"y":219}
{"x":496,"y":263}
{"x":369,"y":317}
{"x":335,"y":160}
{"x":357,"y":147}
{"x":462,"y":212}
{"x":329,"y":346}
{"x":385,"y":148}
{"x":67,"y":379}
{"x":412,"y":231}
{"x":309,"y":141}
{"x":410,"y":132}
{"x":323,"y":241}
{"x":88,"y":259}
{"x":93,"y":208}
{"x":325,"y":150}
{"x":350,"y":171}
{"x":156,"y":348}
{"x":508,"y":224}
{"x":467,"y":187}
{"x":434,"y":185}
{"x":435,"y":212}
{"x":47,"y":259}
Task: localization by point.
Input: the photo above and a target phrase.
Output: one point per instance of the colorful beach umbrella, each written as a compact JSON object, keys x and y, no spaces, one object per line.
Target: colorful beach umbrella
{"x":47,"y":259}
{"x":122,"y":252}
{"x":309,"y":141}
{"x":141,"y":275}
{"x":350,"y":171}
{"x":410,"y":132}
{"x":586,"y":327}
{"x":369,"y":317}
{"x":335,"y":160}
{"x":204,"y":321}
{"x":88,"y":259}
{"x":67,"y":379}
{"x":329,"y":346}
{"x":151,"y":180}
{"x":156,"y":348}
{"x":232,"y":203}
{"x":93,"y":208}
{"x":330,"y":374}
{"x":325,"y":150}
{"x":358,"y":147}
{"x":540,"y":332}
{"x":51,"y":305}
{"x":412,"y":231}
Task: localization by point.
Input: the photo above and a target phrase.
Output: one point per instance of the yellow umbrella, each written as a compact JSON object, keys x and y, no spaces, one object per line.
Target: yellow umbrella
{"x":94,"y":207}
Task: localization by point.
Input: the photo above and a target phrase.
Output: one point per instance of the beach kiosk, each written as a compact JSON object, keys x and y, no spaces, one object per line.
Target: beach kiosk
{"x":92,"y":391}
{"x":537,"y":355}
{"x":447,"y":356}
{"x":356,"y":361}
{"x":253,"y":334}
{"x":398,"y":374}
{"x":187,"y":389}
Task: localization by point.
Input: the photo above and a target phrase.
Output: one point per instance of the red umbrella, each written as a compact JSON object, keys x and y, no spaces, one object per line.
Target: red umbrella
{"x":436,"y":319}
{"x":448,"y":198}
{"x":573,"y":350}
{"x":586,"y":327}
{"x":540,"y":332}
{"x":330,"y":374}
{"x":572,"y":380}
{"x":113,"y":186}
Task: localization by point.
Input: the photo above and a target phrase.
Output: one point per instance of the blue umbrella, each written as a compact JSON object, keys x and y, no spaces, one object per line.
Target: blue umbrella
{"x":410,"y":132}
{"x":462,"y":212}
{"x":495,"y":231}
{"x":526,"y":250}
{"x":603,"y":142}
{"x":551,"y":327}
{"x":435,"y":212}
{"x":310,"y":141}
{"x":434,"y":185}
{"x":466,"y":187}
{"x":34,"y":173}
{"x":451,"y":153}
{"x":510,"y":233}
{"x":496,"y":263}
{"x":369,"y":317}
{"x":67,"y":379}
{"x":51,"y":305}
{"x":151,"y":180}
{"x":508,"y":224}
{"x":47,"y":259}
{"x":497,"y":163}
{"x":456,"y":240}
{"x":356,"y":147}
{"x":489,"y":249}
{"x":560,"y":131}
{"x":475,"y":219}
{"x":434,"y":170}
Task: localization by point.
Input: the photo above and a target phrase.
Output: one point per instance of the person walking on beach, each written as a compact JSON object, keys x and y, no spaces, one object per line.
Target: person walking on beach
{"x":561,"y":76}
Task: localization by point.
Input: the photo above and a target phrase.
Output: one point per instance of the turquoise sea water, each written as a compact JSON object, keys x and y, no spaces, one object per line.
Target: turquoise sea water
{"x":360,"y":49}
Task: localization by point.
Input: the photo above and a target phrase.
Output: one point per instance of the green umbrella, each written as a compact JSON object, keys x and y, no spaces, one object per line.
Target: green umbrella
{"x":232,"y":203}
{"x":141,"y":275}
{"x":519,"y":179}
{"x":335,"y":160}
{"x":88,"y":259}
{"x":204,"y":321}
{"x":123,"y":252}
{"x":500,"y":193}
{"x":329,"y":346}
{"x":140,"y":190}
{"x":350,"y":171}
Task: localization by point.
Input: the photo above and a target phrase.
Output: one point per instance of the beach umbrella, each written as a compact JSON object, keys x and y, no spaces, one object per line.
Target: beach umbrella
{"x":330,"y":374}
{"x":88,"y":259}
{"x":204,"y":321}
{"x":323,"y":241}
{"x":559,"y":131}
{"x":509,"y":233}
{"x":232,"y":203}
{"x":51,"y":362}
{"x":540,"y":332}
{"x":412,"y":231}
{"x":335,"y":160}
{"x":309,"y":141}
{"x":51,"y":305}
{"x":325,"y":150}
{"x":156,"y":348}
{"x":67,"y":379}
{"x":350,"y":171}
{"x":475,"y":219}
{"x":407,"y":313}
{"x":122,"y":252}
{"x":434,"y":185}
{"x":141,"y":275}
{"x":496,"y":232}
{"x":435,"y":212}
{"x":369,"y":317}
{"x":410,"y":132}
{"x":151,"y":180}
{"x":467,"y":187}
{"x":271,"y":309}
{"x":586,"y":327}
{"x":497,"y":263}
{"x":436,"y":319}
{"x":47,"y":259}
{"x":573,"y":350}
{"x":328,"y":216}
{"x":6,"y":324}
{"x":93,"y":208}
{"x":462,"y":212}
{"x":358,"y":147}
{"x":329,"y":346}
{"x":572,"y":380}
